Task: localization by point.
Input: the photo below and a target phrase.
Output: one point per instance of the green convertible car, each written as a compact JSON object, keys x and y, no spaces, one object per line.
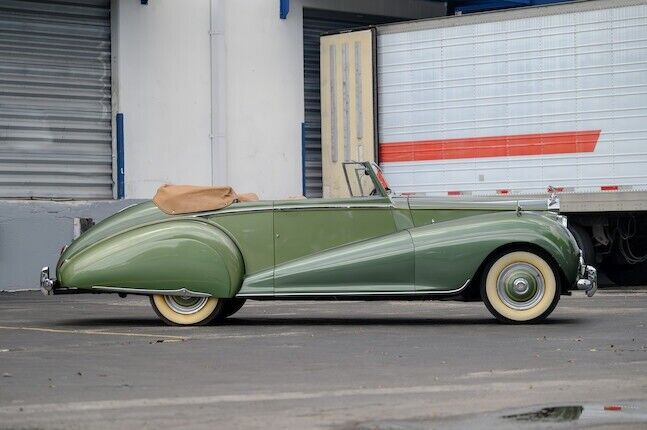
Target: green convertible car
{"x":200,"y":266}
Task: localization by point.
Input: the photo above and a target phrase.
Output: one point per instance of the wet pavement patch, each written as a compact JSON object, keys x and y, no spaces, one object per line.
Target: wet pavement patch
{"x":567,"y":416}
{"x":555,"y":414}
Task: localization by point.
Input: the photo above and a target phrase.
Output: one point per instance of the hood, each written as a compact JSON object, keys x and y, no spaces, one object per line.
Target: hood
{"x":480,"y":203}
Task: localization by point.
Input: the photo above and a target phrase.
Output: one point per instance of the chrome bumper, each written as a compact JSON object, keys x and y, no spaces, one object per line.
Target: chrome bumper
{"x":587,"y":279}
{"x":46,"y":283}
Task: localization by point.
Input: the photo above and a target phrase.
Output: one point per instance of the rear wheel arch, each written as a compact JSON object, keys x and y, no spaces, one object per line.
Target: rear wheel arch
{"x":173,"y":254}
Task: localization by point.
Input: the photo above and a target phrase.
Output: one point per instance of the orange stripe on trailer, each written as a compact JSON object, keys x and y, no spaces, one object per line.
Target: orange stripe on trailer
{"x":567,"y":142}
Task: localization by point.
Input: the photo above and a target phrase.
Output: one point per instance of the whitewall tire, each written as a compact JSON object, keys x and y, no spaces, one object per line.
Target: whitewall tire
{"x":179,"y":310}
{"x":520,"y":287}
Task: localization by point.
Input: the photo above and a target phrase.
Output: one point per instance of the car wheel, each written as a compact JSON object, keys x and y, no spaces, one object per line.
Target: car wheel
{"x":180,"y":310}
{"x":520,"y":287}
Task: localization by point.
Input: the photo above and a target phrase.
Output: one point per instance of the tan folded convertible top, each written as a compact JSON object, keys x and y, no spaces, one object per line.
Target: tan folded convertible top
{"x":184,"y":199}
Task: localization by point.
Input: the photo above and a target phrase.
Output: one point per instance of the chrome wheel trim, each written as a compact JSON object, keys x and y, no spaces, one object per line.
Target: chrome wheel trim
{"x":520,"y":286}
{"x":185,"y":305}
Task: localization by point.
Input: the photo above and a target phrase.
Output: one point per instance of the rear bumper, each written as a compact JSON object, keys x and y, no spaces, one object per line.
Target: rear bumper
{"x":51,"y":287}
{"x":587,"y":278}
{"x":46,"y":283}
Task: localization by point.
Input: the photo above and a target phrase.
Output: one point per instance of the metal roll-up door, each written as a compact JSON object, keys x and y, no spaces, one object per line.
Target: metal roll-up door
{"x":55,"y":99}
{"x":315,"y":23}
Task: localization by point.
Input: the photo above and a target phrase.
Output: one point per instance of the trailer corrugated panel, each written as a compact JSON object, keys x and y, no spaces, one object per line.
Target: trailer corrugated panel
{"x":55,"y":99}
{"x":516,"y":101}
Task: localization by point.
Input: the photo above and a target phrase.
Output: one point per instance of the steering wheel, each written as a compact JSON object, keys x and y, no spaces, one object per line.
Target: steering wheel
{"x":374,"y":192}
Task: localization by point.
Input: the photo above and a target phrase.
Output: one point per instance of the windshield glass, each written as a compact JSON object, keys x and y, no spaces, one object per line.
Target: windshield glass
{"x":380,"y":177}
{"x":360,"y":181}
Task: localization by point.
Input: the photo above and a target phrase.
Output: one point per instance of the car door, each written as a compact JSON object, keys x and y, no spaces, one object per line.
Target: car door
{"x":340,"y":246}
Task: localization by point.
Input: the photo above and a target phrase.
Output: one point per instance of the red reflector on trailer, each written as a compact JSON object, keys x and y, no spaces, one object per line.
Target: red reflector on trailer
{"x":613,"y":408}
{"x":503,"y":191}
{"x":409,"y":193}
{"x":609,"y":188}
{"x":555,"y":190}
{"x":454,"y":193}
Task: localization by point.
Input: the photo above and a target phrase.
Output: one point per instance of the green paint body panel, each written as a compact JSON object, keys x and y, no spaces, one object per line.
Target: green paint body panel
{"x":306,"y":228}
{"x":252,"y":232}
{"x":451,"y":250}
{"x":364,"y":245}
{"x":133,"y":216}
{"x":376,"y":265}
{"x":172,"y":254}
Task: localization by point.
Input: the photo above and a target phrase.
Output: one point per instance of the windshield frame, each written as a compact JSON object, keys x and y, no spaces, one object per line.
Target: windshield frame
{"x":369,"y":167}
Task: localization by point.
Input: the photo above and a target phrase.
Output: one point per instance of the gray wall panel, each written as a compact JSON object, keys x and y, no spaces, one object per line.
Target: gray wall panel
{"x":32,"y":234}
{"x":55,"y":100}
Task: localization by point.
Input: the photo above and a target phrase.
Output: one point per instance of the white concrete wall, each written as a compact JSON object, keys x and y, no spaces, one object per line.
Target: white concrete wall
{"x":162,"y":85}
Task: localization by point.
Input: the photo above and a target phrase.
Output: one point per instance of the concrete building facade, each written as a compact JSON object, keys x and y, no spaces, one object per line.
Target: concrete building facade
{"x":211,"y":92}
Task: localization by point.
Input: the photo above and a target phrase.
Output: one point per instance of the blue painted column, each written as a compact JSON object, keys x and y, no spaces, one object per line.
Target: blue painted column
{"x":303,"y":158}
{"x":120,"y":156}
{"x":284,"y":8}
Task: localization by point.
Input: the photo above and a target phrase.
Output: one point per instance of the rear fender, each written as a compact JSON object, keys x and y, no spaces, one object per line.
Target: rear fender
{"x":169,"y":255}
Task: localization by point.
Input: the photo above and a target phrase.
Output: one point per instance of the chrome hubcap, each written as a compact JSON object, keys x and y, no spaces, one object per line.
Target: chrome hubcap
{"x":520,"y":286}
{"x":185,"y":305}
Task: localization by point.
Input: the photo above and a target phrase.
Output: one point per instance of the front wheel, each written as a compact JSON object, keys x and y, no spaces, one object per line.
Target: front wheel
{"x":520,"y":287}
{"x":180,"y":310}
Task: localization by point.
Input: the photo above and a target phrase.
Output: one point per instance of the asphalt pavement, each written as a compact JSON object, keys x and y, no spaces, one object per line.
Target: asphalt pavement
{"x":102,"y":362}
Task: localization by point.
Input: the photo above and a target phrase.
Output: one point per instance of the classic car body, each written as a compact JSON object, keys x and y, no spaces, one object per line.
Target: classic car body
{"x":367,"y":246}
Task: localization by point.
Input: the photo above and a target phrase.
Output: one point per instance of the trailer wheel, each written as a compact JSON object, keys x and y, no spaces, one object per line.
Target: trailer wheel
{"x":584,"y":241}
{"x":626,"y":275}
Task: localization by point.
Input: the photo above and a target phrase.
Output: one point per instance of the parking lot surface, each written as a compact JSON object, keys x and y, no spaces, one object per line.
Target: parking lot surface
{"x":99,"y":361}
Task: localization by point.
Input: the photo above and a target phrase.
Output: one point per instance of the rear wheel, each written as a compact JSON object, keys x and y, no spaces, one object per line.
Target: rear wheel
{"x":181,"y":310}
{"x":520,"y":287}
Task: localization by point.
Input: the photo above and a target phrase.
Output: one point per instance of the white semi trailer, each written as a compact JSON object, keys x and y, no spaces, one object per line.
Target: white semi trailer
{"x":517,"y":103}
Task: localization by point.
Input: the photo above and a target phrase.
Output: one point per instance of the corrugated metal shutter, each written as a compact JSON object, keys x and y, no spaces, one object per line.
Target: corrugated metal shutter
{"x":316,"y":22}
{"x":55,"y":99}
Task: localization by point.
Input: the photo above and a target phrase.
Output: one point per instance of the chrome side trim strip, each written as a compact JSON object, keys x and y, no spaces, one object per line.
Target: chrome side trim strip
{"x":179,"y":292}
{"x":359,"y":294}
{"x":335,"y":206}
{"x":290,"y":207}
{"x":227,"y":210}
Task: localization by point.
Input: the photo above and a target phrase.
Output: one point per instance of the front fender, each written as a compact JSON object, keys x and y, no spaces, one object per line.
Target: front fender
{"x":168,"y":255}
{"x":449,"y":253}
